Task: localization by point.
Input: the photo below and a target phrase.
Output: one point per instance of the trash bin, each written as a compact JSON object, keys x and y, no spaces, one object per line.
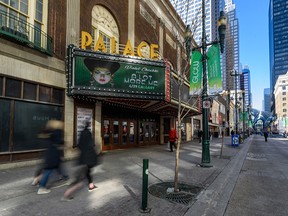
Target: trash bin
{"x":235,"y":140}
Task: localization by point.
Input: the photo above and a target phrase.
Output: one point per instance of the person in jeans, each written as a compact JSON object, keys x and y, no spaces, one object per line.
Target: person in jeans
{"x":172,"y":138}
{"x":52,"y":158}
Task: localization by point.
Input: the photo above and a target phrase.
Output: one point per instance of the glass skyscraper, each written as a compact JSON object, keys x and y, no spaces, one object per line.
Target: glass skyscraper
{"x":278,"y":41}
{"x":267,"y":105}
{"x":245,"y":85}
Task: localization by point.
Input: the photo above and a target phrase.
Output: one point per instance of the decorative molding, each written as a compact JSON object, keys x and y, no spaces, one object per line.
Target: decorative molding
{"x":147,"y":16}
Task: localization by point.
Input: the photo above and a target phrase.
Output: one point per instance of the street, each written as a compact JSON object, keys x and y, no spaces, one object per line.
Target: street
{"x":249,"y":180}
{"x":262,"y":185}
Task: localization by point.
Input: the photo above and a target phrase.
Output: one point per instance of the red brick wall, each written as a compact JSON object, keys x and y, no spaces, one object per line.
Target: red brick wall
{"x":57,"y":27}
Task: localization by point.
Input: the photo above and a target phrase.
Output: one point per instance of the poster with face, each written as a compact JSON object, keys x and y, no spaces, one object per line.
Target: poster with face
{"x":100,"y":75}
{"x":101,"y":71}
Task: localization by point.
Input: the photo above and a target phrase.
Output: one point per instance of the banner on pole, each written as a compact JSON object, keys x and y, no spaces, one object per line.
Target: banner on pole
{"x":196,"y":73}
{"x":214,"y":70}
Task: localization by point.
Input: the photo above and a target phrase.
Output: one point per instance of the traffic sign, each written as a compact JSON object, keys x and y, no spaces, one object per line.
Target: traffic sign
{"x":206,"y":104}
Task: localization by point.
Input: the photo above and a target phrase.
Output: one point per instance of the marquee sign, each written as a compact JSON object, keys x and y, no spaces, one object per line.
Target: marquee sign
{"x":93,"y":73}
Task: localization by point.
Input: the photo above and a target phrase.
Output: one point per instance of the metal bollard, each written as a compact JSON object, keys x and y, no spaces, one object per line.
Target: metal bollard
{"x":144,"y":208}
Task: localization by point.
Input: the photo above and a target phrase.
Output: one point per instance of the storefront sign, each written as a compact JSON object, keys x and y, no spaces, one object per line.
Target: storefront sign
{"x":106,"y":75}
{"x":86,"y":41}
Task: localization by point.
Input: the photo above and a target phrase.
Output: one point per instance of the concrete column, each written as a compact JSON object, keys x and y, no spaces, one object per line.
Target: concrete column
{"x":73,"y":23}
{"x":161,"y":38}
{"x":98,"y":126}
{"x":69,"y":127}
{"x":161,"y":133}
{"x":131,"y":22}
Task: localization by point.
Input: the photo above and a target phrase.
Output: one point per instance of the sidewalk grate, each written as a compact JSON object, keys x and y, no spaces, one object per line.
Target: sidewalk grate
{"x":187,"y":193}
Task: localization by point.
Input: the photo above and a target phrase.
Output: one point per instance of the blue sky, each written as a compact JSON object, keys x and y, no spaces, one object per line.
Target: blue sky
{"x":254,"y":44}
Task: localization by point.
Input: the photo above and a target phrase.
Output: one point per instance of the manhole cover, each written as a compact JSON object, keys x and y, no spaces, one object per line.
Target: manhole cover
{"x":165,"y":190}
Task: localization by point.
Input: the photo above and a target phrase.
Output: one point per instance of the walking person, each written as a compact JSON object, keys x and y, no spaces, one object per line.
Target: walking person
{"x":52,"y":156}
{"x":200,"y":134}
{"x":87,"y":160}
{"x":172,"y":138}
{"x":53,"y":132}
{"x":265,"y":135}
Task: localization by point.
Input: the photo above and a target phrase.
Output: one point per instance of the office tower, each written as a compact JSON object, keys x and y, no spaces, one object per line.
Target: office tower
{"x":232,"y":45}
{"x":267,"y":105}
{"x":278,"y":41}
{"x":245,"y":85}
{"x":190,"y":12}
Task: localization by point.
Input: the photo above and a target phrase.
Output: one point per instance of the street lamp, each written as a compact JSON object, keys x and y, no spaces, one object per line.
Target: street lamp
{"x":221,"y":28}
{"x":236,"y":74}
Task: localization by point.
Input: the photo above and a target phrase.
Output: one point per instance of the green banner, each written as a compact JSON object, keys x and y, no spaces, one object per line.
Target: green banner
{"x":196,"y":73}
{"x":286,"y":121}
{"x":246,"y":116}
{"x":119,"y":77}
{"x":214,"y":70}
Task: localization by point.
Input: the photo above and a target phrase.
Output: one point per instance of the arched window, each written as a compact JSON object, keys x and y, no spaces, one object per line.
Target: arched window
{"x":104,"y":24}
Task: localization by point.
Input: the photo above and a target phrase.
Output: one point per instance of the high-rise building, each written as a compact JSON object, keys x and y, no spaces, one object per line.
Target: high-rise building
{"x":267,"y":104}
{"x":191,"y":13}
{"x":232,"y":44}
{"x":278,"y":38}
{"x":281,"y":108}
{"x":245,"y":85}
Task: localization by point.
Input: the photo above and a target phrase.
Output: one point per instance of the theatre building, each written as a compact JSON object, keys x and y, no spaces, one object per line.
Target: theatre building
{"x":116,"y":64}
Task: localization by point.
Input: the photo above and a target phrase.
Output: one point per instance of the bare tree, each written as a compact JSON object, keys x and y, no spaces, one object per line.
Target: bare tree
{"x":180,"y":79}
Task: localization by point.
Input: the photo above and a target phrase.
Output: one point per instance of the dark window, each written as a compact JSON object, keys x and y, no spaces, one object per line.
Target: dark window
{"x":1,"y":85}
{"x":13,"y":88}
{"x":58,"y":96}
{"x":30,"y":90}
{"x":44,"y":93}
{"x":29,"y":120}
{"x":5,"y":125}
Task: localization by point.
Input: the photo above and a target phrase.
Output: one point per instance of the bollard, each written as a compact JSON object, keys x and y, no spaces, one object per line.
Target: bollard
{"x":144,"y":208}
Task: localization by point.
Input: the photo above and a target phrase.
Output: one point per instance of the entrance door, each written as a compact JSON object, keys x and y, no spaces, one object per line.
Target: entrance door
{"x":107,"y":134}
{"x":132,"y":133}
{"x":118,"y":133}
{"x":110,"y":134}
{"x":115,"y":133}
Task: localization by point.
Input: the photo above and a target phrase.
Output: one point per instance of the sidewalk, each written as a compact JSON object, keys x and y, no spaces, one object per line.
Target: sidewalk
{"x":119,"y":181}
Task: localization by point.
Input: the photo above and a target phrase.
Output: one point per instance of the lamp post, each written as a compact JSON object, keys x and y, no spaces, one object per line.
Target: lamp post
{"x":236,"y":74}
{"x":205,"y":162}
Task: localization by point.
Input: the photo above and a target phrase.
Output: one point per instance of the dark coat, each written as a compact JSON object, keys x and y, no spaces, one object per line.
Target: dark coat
{"x":52,"y":157}
{"x":53,"y":154}
{"x":88,"y":154}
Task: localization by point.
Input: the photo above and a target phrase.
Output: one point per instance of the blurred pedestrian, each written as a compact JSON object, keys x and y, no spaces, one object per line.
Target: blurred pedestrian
{"x":200,"y":134}
{"x":265,"y":135}
{"x":52,"y":156}
{"x":87,"y":160}
{"x":172,"y":138}
{"x":54,"y":127}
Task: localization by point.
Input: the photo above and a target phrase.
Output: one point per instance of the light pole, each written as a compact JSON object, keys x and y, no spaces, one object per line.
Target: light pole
{"x":236,"y":74}
{"x":221,"y":29}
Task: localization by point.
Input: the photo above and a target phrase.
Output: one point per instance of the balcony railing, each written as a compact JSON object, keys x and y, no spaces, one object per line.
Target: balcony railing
{"x":16,"y":29}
